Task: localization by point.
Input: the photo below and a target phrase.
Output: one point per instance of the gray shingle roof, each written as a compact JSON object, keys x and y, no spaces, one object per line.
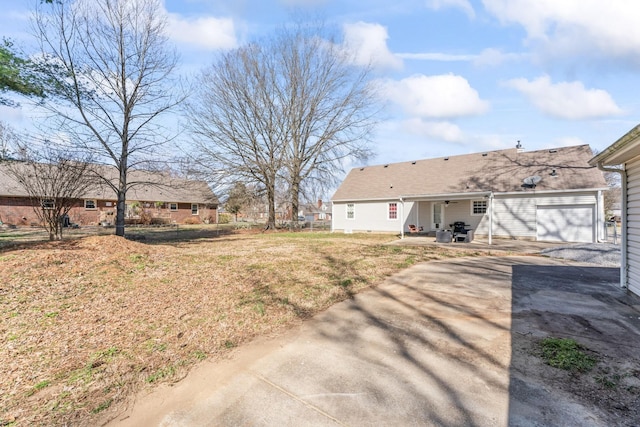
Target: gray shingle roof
{"x":500,"y":171}
{"x":152,"y":187}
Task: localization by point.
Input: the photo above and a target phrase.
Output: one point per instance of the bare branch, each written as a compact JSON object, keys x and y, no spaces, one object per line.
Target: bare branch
{"x":109,"y":64}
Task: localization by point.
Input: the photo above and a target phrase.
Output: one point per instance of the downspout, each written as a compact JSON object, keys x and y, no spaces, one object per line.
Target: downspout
{"x":623,"y":216}
{"x":401,"y":218}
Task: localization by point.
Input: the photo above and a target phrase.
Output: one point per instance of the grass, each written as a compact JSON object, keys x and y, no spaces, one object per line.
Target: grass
{"x":567,"y":354}
{"x":101,"y":317}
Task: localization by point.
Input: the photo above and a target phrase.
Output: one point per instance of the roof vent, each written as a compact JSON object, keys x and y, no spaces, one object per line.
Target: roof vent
{"x":484,"y":154}
{"x":553,"y":150}
{"x":386,"y":166}
{"x":413,"y":163}
{"x":553,"y":172}
{"x":361,"y":169}
{"x":446,"y":158}
{"x":519,"y":147}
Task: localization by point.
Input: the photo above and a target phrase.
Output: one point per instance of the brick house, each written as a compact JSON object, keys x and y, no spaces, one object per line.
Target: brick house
{"x":154,"y":197}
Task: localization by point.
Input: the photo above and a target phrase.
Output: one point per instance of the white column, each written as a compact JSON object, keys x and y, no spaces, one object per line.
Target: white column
{"x":401,"y":218}
{"x":490,"y":218}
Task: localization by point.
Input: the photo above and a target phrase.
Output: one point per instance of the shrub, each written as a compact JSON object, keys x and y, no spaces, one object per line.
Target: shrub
{"x":192,"y":220}
{"x":224,"y":218}
{"x":145,"y":217}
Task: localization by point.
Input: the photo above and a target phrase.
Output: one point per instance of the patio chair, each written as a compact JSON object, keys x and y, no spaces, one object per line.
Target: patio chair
{"x":414,"y":229}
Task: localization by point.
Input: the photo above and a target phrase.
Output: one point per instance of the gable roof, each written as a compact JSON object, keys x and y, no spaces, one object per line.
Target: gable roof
{"x":152,"y":187}
{"x":500,"y":171}
{"x":312,"y":208}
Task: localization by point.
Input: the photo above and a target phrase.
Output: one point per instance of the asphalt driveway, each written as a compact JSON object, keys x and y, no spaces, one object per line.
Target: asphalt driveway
{"x":446,"y":343}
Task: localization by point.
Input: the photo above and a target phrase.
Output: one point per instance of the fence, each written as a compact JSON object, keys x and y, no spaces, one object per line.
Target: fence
{"x":612,"y":232}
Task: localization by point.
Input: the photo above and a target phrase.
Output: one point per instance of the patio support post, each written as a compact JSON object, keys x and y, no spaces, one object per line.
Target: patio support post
{"x":401,"y":218}
{"x":490,"y":218}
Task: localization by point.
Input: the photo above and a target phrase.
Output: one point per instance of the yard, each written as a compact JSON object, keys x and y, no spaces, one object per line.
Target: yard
{"x":88,"y":321}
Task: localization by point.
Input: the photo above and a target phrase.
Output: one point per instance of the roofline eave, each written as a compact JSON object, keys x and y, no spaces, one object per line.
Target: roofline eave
{"x":463,"y":196}
{"x":619,"y":152}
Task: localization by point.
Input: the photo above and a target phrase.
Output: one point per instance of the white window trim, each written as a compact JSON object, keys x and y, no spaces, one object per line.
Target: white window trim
{"x":346,"y":212}
{"x":171,"y":205}
{"x":486,"y":207}
{"x":389,"y":211}
{"x":95,"y":204}
{"x":46,"y":202}
{"x":197,"y":208}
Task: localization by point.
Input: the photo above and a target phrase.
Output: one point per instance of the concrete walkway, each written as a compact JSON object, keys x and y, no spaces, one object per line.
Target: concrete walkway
{"x":482,"y":244}
{"x":432,"y":345}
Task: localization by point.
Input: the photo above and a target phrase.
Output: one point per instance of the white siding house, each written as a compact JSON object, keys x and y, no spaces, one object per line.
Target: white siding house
{"x":625,"y":155}
{"x":492,"y":193}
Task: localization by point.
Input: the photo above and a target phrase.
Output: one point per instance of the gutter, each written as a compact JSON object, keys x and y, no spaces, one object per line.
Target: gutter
{"x":623,"y":211}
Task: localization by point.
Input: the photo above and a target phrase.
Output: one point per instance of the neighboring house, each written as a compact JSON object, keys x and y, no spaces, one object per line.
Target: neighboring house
{"x":161,"y":198}
{"x":626,"y":152}
{"x":319,"y":211}
{"x":551,"y":195}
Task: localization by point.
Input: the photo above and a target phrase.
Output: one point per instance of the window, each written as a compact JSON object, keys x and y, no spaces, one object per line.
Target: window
{"x":194,"y":209}
{"x":479,"y":207}
{"x":90,"y":204}
{"x":351,"y":211}
{"x":47,"y":204}
{"x":173,"y":207}
{"x":393,"y":211}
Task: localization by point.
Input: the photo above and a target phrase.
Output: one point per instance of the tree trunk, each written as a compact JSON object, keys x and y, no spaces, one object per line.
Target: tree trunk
{"x":295,"y":194}
{"x":122,"y":191}
{"x":120,"y":211}
{"x":271,"y":196}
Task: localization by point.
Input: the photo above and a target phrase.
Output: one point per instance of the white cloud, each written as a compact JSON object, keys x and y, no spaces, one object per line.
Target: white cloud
{"x":566,"y":100}
{"x":592,"y":28}
{"x":441,"y":130}
{"x":437,"y":56}
{"x":441,"y":96}
{"x":489,"y":57}
{"x":463,"y":5}
{"x":494,"y":57}
{"x":368,"y":44}
{"x":205,"y":32}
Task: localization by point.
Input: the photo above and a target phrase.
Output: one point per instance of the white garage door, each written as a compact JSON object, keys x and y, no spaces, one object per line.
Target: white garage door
{"x":565,"y":223}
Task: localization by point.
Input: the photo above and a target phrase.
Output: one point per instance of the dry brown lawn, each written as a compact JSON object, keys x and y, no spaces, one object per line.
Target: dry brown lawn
{"x":87,"y":322}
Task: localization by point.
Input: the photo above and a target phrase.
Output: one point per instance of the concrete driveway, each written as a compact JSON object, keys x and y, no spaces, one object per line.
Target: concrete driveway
{"x":445,"y":343}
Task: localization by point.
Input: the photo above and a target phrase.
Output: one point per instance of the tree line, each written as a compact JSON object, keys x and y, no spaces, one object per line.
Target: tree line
{"x":287,"y":111}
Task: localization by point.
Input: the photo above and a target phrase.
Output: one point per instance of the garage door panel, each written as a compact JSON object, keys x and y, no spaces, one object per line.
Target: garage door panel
{"x":565,"y":223}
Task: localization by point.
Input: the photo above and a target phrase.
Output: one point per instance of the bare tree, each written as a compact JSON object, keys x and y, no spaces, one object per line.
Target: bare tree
{"x":108,"y":62}
{"x":612,"y":196}
{"x":237,"y":125}
{"x":9,"y":141}
{"x":238,"y":199}
{"x":329,"y":105}
{"x":54,"y":182}
{"x":287,"y":110}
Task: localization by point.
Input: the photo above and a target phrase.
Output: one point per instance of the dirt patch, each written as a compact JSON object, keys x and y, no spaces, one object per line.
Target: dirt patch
{"x":583,"y":304}
{"x":612,"y":387}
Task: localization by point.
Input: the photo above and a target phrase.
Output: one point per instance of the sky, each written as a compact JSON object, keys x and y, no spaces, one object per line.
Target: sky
{"x":455,"y":76}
